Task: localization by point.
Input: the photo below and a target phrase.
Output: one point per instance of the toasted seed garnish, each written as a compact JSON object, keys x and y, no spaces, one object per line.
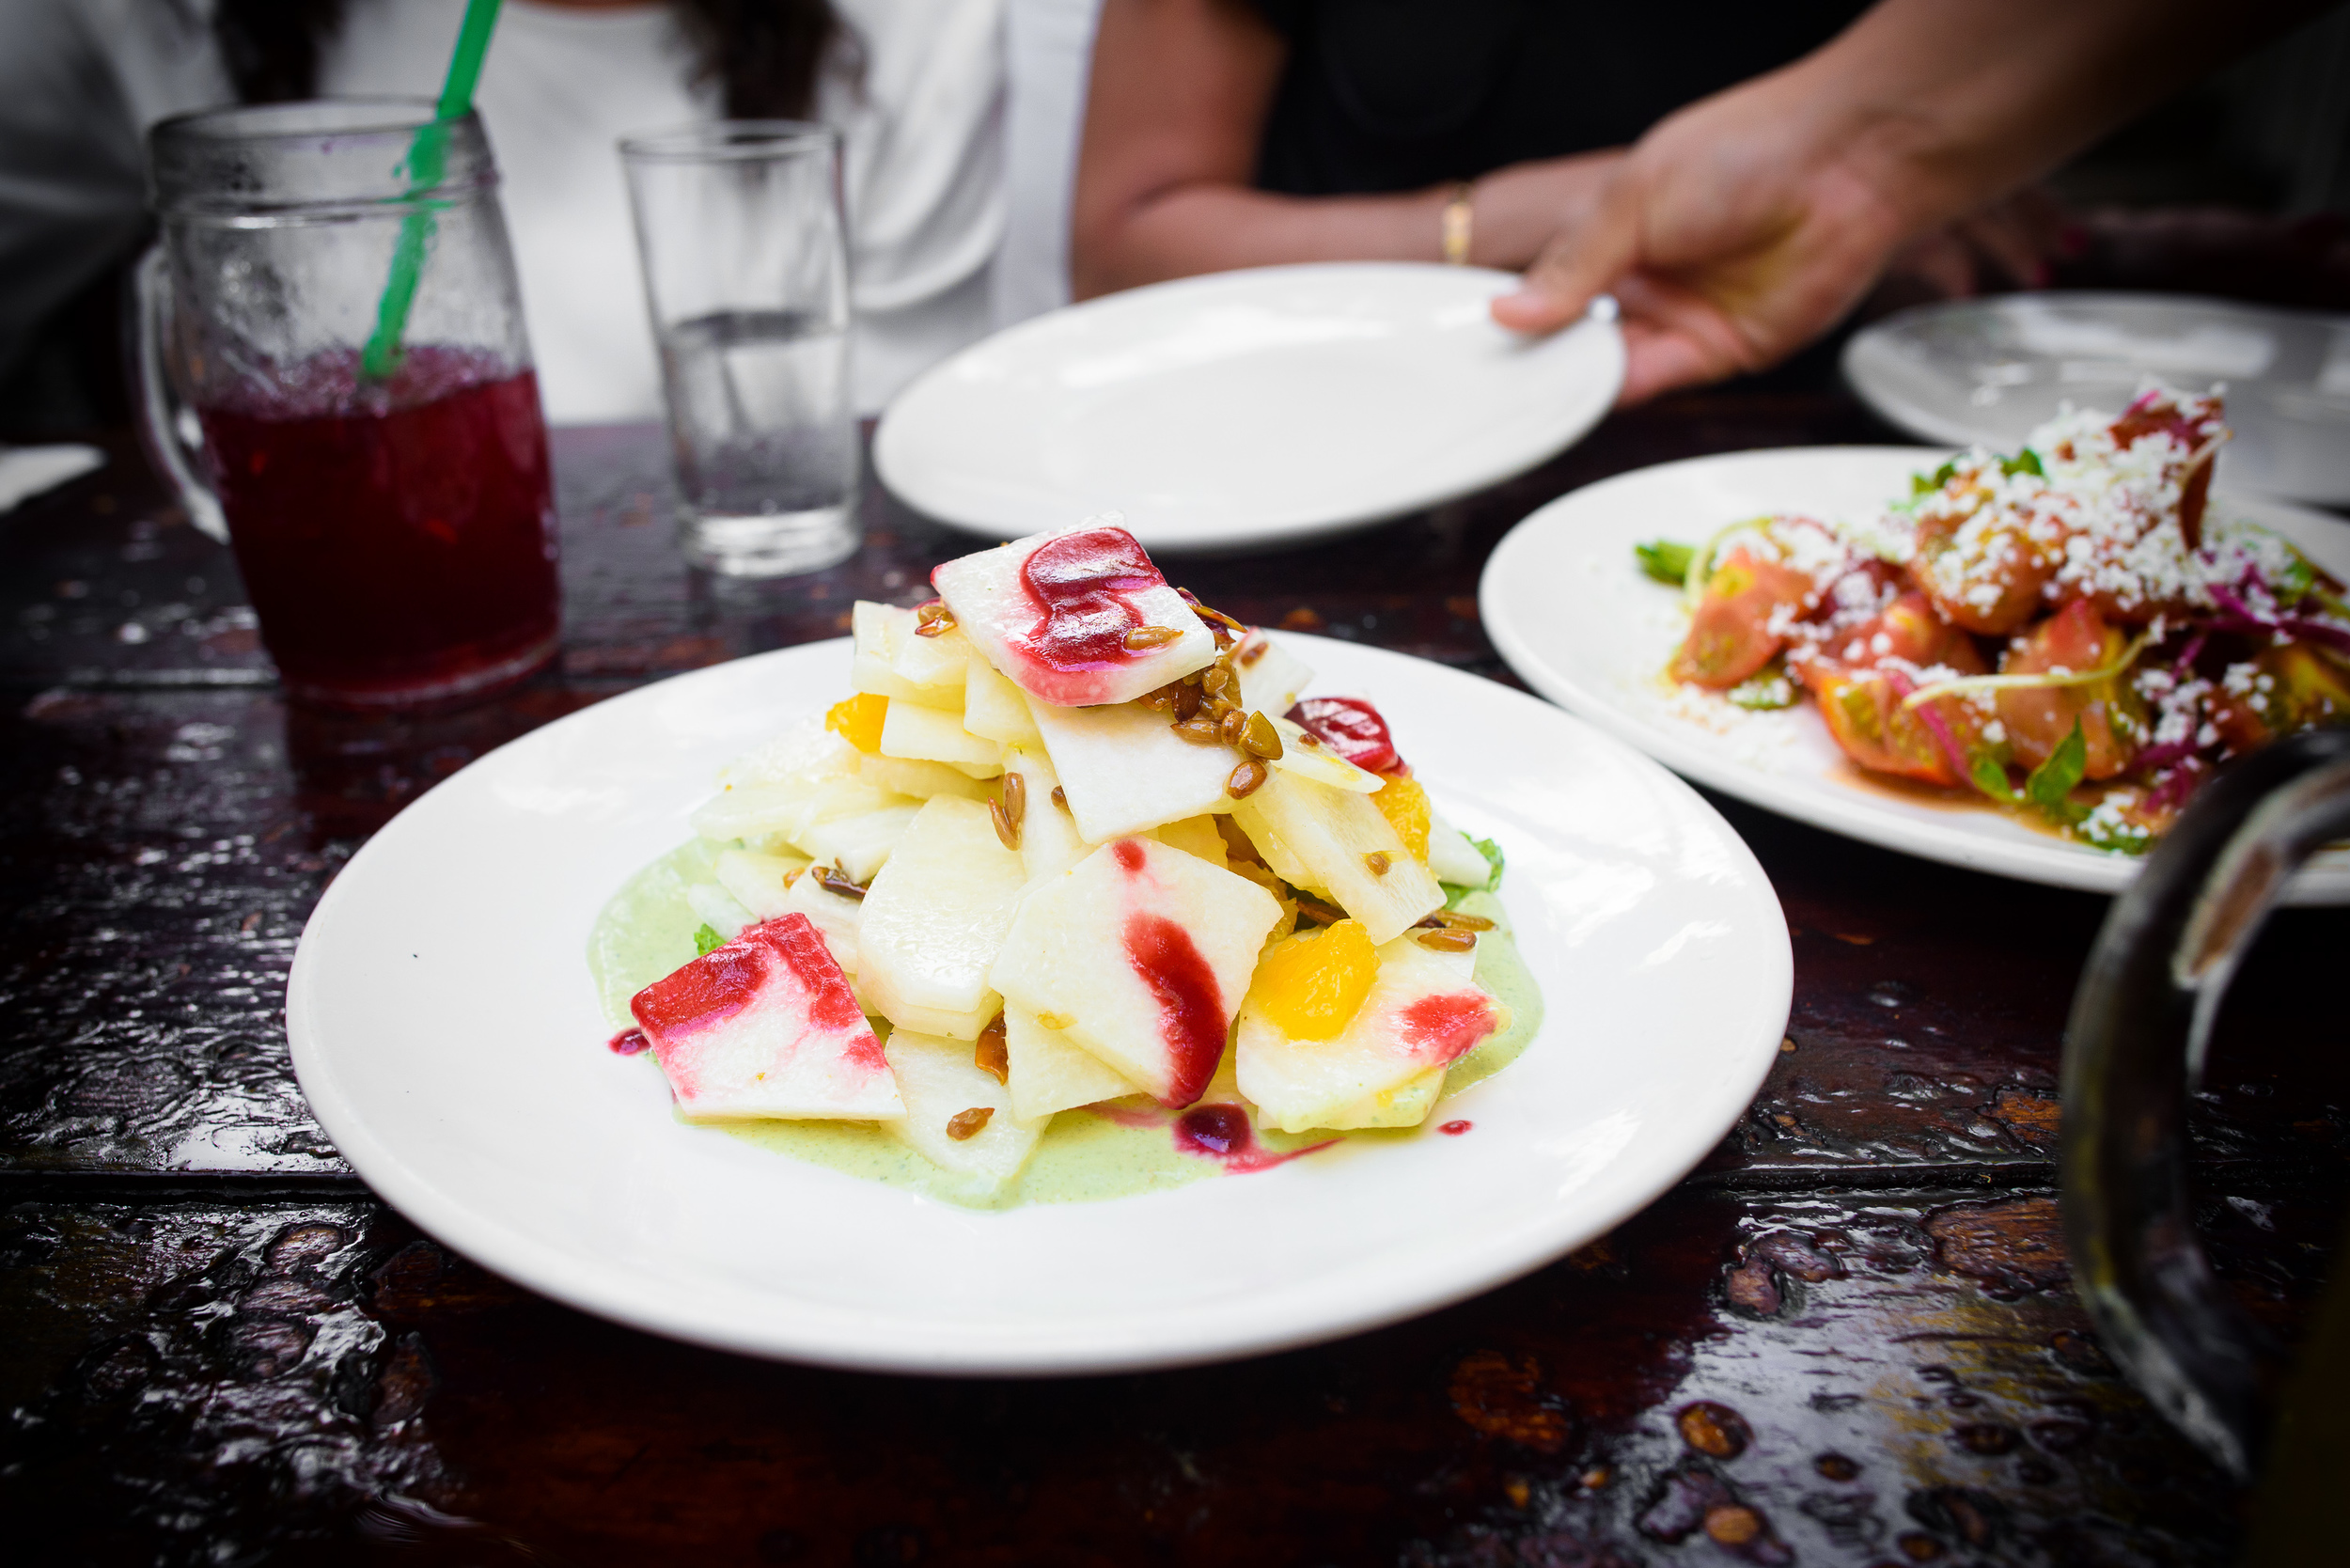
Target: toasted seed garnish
{"x":1006,"y":830}
{"x":1200,"y":731}
{"x":1307,"y":737}
{"x":1143,"y":637}
{"x":1261,"y":738}
{"x":834,"y":881}
{"x":1247,"y":779}
{"x":1254,"y":651}
{"x":992,"y":1055}
{"x":1378,"y":862}
{"x":792,"y":876}
{"x":1457,"y":920}
{"x":1217,"y":680}
{"x":967,"y":1124}
{"x":1055,"y":1020}
{"x":1447,"y":940}
{"x":1014,"y":793}
{"x":1321,"y":914}
{"x":1187,"y":702}
{"x":933,"y":620}
{"x":1231,"y":724}
{"x":1060,"y":797}
{"x":1162,"y":698}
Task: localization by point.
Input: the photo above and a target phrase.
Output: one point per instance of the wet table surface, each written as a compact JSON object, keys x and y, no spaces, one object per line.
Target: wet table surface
{"x":1847,"y":1339}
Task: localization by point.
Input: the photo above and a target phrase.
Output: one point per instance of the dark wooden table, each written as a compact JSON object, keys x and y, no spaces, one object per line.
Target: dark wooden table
{"x":1848,"y":1339}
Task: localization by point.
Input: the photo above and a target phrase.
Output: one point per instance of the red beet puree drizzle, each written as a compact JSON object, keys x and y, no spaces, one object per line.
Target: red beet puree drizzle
{"x":628,"y":1042}
{"x":1191,"y":1005}
{"x":1080,"y":582}
{"x":1352,"y":728}
{"x":1454,"y":1129}
{"x":1221,"y":1132}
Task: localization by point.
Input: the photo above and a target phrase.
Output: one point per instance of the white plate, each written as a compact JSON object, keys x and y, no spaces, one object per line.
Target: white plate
{"x":1989,"y":370}
{"x":1566,"y":604}
{"x":1246,"y":408}
{"x":446,"y":1035}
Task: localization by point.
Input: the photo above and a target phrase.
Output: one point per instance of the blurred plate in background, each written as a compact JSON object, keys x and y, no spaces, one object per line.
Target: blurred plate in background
{"x":1988,"y":370}
{"x":1246,"y":408}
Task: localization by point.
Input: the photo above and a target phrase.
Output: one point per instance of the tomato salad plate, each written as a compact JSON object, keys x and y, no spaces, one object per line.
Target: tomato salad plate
{"x":2022,"y":661}
{"x":1056,"y":976}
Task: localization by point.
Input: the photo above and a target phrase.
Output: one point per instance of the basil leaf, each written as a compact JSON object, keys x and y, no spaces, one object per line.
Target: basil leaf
{"x":1990,"y":777}
{"x":2051,"y":784}
{"x":1492,"y":851}
{"x":1926,"y":484}
{"x":1664,"y":561}
{"x":2025,"y":462}
{"x":706,"y":941}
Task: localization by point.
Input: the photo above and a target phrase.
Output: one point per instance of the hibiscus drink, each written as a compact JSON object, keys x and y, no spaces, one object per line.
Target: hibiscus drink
{"x":398,"y":538}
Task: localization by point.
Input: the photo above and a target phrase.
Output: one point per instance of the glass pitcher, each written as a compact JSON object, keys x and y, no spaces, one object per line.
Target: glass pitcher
{"x":394,"y":520}
{"x":2133,"y":1049}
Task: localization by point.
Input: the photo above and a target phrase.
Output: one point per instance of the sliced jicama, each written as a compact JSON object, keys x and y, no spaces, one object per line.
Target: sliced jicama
{"x":1452,"y":857}
{"x":994,"y":707}
{"x":1407,"y":1105}
{"x":1422,"y":1014}
{"x":935,"y":920}
{"x":932,"y":662}
{"x":1140,"y":954}
{"x":1049,"y":1072}
{"x":1336,"y":842}
{"x":1271,"y":677}
{"x":877,"y":630}
{"x":759,"y":882}
{"x":1053,"y":611}
{"x":767,"y":1026}
{"x":958,"y":1117}
{"x":861,"y":845}
{"x":933,"y":734}
{"x":834,"y":915}
{"x":1317,"y":762}
{"x":718,"y":909}
{"x":1196,"y":836}
{"x":1125,"y":769}
{"x":1049,"y":841}
{"x":919,"y":778}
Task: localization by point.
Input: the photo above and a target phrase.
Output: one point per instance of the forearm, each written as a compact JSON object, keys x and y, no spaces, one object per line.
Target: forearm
{"x":1215,"y":228}
{"x":1944,"y":106}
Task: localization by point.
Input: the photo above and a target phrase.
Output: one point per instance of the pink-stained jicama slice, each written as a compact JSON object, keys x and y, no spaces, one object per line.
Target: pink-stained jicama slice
{"x":767,"y":1028}
{"x":1423,"y":1013}
{"x":1077,"y":617}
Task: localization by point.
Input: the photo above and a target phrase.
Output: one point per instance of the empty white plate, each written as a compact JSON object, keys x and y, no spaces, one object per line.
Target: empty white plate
{"x":1246,"y":408}
{"x":1567,"y":604}
{"x":446,"y":1034}
{"x":1988,"y":370}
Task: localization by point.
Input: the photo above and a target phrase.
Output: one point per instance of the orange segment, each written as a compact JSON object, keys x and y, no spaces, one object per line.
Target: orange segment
{"x":858,"y":721}
{"x":1404,"y":804}
{"x":1311,"y":987}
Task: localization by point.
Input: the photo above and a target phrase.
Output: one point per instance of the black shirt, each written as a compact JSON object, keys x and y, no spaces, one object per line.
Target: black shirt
{"x":1390,"y":95}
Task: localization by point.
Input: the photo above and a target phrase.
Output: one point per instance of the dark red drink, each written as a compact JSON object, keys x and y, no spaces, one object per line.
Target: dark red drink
{"x":398,"y":540}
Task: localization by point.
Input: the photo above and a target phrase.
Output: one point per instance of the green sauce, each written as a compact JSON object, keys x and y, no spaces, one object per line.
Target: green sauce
{"x":647,"y":932}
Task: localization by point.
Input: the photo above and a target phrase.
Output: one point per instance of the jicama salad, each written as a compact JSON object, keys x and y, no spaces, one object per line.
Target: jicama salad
{"x":1072,"y":842}
{"x":2061,"y":631}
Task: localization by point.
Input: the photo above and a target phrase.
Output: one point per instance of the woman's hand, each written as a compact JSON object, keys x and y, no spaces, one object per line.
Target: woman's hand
{"x":1747,"y":224}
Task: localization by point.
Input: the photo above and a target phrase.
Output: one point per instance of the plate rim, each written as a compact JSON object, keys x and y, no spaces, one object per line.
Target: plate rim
{"x":887,"y":454}
{"x":2054,"y":864}
{"x":509,"y":1249}
{"x":1879,"y":338}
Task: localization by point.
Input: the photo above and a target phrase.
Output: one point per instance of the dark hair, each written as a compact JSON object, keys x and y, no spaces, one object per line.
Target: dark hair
{"x":766,"y":55}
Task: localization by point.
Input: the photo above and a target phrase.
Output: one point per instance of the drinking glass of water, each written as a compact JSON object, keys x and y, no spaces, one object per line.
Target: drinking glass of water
{"x":746,"y":271}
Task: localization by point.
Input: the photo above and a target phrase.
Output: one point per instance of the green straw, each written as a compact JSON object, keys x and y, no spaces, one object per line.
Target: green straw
{"x":382,"y":354}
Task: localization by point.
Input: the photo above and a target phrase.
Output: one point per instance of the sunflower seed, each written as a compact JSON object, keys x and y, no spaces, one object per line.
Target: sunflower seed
{"x":992,"y":1055}
{"x":964,"y":1125}
{"x":1247,"y":779}
{"x":1261,"y":739}
{"x":1378,"y":862}
{"x":833,"y":881}
{"x":1448,"y":941}
{"x":1143,"y":639}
